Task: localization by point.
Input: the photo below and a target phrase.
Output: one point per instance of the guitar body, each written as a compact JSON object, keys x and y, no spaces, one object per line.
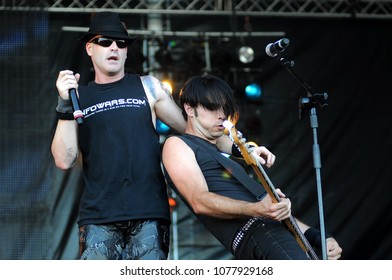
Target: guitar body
{"x":290,"y":222}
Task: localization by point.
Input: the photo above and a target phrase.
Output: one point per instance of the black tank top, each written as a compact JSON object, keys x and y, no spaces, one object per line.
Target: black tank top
{"x":121,"y":155}
{"x":221,"y":182}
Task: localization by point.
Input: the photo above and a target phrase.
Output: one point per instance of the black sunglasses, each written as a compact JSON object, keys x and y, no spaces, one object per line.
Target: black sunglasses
{"x":105,"y":42}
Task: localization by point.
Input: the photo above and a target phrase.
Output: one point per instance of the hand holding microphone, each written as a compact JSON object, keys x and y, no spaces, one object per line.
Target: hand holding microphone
{"x":68,"y":102}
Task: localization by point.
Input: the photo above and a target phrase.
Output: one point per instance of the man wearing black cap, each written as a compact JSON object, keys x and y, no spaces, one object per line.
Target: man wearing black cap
{"x":124,"y":211}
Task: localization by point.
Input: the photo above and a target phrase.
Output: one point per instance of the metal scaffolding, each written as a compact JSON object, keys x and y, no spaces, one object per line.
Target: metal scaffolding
{"x":381,"y":9}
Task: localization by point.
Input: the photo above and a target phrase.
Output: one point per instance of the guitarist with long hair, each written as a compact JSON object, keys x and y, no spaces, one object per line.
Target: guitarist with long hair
{"x":218,"y":191}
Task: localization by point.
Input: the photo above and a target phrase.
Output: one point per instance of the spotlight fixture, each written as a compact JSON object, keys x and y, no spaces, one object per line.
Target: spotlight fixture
{"x":253,"y":91}
{"x":161,"y":127}
{"x":246,"y":54}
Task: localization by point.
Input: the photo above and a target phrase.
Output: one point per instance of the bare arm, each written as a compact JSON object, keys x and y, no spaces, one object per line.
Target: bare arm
{"x":224,"y":144}
{"x":64,"y":145}
{"x":162,"y":104}
{"x":65,"y":141}
{"x":182,"y":167}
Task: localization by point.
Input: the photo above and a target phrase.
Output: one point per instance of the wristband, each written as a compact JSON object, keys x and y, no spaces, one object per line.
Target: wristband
{"x":64,"y":109}
{"x":314,"y":237}
{"x":65,"y":116}
{"x":64,"y":105}
{"x":235,"y":151}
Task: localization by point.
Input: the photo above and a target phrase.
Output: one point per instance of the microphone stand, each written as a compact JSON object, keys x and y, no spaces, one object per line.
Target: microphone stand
{"x":309,"y":104}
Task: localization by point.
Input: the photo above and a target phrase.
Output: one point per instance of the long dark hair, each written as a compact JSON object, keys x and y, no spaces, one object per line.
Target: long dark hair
{"x":210,"y":92}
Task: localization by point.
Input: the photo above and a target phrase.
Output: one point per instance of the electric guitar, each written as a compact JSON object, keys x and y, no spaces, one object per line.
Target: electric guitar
{"x":246,"y":152}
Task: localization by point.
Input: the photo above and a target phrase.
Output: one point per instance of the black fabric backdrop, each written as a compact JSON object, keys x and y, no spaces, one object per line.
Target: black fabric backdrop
{"x":347,"y":58}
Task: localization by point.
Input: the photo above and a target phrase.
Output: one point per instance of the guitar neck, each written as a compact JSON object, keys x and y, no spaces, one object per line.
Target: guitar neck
{"x":290,"y":222}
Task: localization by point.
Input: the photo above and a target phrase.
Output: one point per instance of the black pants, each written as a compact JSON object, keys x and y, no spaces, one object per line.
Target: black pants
{"x":269,"y":240}
{"x":128,"y":240}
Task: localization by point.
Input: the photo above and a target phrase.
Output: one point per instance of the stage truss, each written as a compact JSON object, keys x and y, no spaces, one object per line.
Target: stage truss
{"x":381,"y":9}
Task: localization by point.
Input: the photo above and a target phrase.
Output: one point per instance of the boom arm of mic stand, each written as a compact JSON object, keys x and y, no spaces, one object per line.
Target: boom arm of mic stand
{"x":313,"y":98}
{"x":309,"y":103}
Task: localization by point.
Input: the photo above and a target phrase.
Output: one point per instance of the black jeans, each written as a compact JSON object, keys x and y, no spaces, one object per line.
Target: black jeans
{"x":269,"y":240}
{"x":128,"y":240}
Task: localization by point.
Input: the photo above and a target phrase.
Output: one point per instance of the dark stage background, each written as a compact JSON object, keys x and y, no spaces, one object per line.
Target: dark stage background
{"x":350,"y":59}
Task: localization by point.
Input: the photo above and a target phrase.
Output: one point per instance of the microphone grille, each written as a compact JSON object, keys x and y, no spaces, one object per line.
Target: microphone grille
{"x":284,"y":43}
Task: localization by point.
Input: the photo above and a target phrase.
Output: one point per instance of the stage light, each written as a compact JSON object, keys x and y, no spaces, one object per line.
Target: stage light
{"x":246,"y":54}
{"x":168,"y":86}
{"x":161,"y":127}
{"x":171,"y":44}
{"x":172,"y":203}
{"x":253,"y":91}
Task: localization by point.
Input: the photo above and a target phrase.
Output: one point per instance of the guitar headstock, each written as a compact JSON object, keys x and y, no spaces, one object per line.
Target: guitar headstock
{"x":239,"y":141}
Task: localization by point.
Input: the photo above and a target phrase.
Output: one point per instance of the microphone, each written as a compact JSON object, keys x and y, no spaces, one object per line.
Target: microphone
{"x":272,"y":49}
{"x":78,"y":114}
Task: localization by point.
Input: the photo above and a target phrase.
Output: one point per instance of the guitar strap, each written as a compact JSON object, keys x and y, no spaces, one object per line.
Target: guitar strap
{"x":235,"y":169}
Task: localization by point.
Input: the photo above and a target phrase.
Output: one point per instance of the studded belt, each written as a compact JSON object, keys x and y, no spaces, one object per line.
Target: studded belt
{"x":241,"y":233}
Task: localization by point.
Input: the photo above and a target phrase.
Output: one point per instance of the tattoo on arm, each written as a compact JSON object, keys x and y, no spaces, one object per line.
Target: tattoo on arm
{"x":70,"y":158}
{"x":165,"y":89}
{"x":150,"y":86}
